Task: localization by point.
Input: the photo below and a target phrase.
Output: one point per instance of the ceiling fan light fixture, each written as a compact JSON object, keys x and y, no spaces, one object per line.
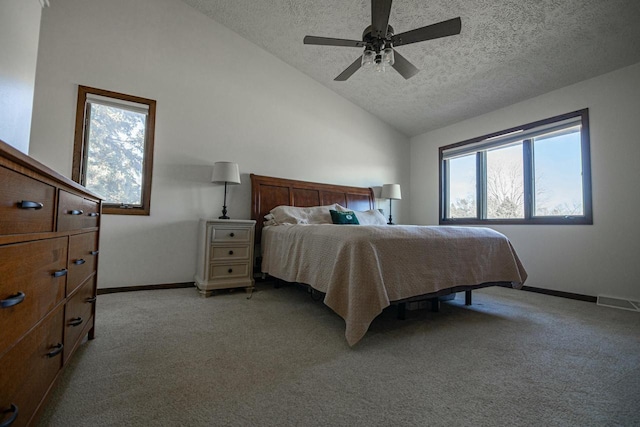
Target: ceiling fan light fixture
{"x":380,"y":66}
{"x":387,"y":56}
{"x":368,"y":58}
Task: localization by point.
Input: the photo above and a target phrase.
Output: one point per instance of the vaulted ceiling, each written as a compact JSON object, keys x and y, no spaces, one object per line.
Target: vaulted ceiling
{"x":507,"y":51}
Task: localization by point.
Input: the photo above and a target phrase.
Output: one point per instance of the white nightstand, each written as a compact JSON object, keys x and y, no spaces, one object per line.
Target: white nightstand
{"x":225,"y":255}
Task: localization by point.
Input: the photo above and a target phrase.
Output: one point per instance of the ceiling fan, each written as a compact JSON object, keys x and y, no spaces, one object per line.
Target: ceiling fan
{"x":379,"y":40}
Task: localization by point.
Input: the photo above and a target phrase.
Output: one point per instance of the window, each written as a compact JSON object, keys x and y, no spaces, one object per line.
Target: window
{"x":539,"y":173}
{"x":113,"y":149}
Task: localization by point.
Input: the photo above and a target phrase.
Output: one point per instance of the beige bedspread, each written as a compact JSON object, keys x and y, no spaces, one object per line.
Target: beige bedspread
{"x":361,"y":269}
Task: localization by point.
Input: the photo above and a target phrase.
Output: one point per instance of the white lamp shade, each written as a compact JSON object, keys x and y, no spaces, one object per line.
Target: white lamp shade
{"x":391,"y":191}
{"x":225,"y":172}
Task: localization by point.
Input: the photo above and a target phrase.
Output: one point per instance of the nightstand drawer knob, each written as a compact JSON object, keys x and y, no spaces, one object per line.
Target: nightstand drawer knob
{"x":230,"y":270}
{"x":230,"y":252}
{"x":232,"y":235}
{"x":79,"y":261}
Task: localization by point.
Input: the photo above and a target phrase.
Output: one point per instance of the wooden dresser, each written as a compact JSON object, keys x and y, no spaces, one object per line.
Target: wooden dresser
{"x":49,"y":233}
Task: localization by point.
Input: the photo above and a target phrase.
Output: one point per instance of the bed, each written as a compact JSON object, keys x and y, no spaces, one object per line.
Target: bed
{"x":362,"y":269}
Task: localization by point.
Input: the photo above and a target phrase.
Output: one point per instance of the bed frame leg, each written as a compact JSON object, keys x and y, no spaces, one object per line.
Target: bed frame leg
{"x":467,"y":297}
{"x":435,"y":304}
{"x":402,"y":311}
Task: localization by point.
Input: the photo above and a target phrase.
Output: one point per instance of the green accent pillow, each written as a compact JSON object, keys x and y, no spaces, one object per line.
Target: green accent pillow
{"x":343,"y":217}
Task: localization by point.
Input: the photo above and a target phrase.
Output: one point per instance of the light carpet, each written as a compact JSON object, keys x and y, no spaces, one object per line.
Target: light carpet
{"x":514,"y":358}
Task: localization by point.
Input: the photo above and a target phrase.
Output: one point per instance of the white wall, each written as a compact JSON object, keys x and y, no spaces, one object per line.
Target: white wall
{"x":603,"y":258}
{"x":19,"y":31}
{"x":219,"y":97}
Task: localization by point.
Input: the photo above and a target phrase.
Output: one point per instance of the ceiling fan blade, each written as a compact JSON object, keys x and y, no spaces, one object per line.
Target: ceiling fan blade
{"x":350,"y":70}
{"x":328,"y":41}
{"x":380,"y":10}
{"x":404,"y":67}
{"x":430,"y":32}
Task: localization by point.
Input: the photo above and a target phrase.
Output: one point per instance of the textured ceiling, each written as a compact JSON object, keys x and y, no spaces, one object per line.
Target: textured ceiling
{"x":508,"y":50}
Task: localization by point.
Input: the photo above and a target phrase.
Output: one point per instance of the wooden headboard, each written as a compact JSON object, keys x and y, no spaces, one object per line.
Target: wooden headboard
{"x":268,"y":192}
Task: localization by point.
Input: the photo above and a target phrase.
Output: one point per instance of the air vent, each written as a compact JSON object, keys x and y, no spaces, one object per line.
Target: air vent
{"x":622,"y":304}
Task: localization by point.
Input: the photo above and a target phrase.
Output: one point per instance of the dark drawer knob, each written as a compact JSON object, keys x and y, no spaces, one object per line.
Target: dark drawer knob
{"x":60,"y":273}
{"x":75,"y":321}
{"x":28,"y":204}
{"x":230,"y":252}
{"x":12,"y":300}
{"x":79,"y":261}
{"x":10,"y":420}
{"x":91,"y":299}
{"x":232,"y":235}
{"x":93,"y":214}
{"x":230,"y":270}
{"x":76,"y":212}
{"x":57,"y":349}
{"x":94,"y":253}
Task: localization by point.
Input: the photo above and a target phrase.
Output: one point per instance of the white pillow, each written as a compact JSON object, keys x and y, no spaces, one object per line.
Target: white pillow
{"x":370,"y":217}
{"x":309,"y":215}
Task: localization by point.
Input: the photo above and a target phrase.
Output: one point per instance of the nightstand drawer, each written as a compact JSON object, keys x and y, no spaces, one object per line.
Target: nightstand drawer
{"x":229,"y":253}
{"x":228,"y":271}
{"x":26,"y":205}
{"x":227,"y":235}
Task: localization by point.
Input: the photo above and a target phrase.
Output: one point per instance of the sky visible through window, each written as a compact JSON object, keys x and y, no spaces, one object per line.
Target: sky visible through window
{"x":462,"y":186}
{"x":557,"y":175}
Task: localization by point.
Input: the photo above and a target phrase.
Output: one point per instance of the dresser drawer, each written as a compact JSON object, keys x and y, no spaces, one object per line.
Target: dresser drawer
{"x":26,"y":205}
{"x":75,"y":212}
{"x":229,"y":253}
{"x":78,"y":314}
{"x":27,"y":370}
{"x":27,"y":273}
{"x":91,"y":213}
{"x":228,"y":271}
{"x":83,"y":254}
{"x":230,"y":234}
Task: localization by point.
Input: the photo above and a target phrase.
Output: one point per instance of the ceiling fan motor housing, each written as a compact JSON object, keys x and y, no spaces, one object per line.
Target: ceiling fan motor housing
{"x":377,"y":43}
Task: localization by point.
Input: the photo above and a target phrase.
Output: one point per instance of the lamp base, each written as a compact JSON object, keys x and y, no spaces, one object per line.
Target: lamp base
{"x":224,"y":207}
{"x":390,"y":219}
